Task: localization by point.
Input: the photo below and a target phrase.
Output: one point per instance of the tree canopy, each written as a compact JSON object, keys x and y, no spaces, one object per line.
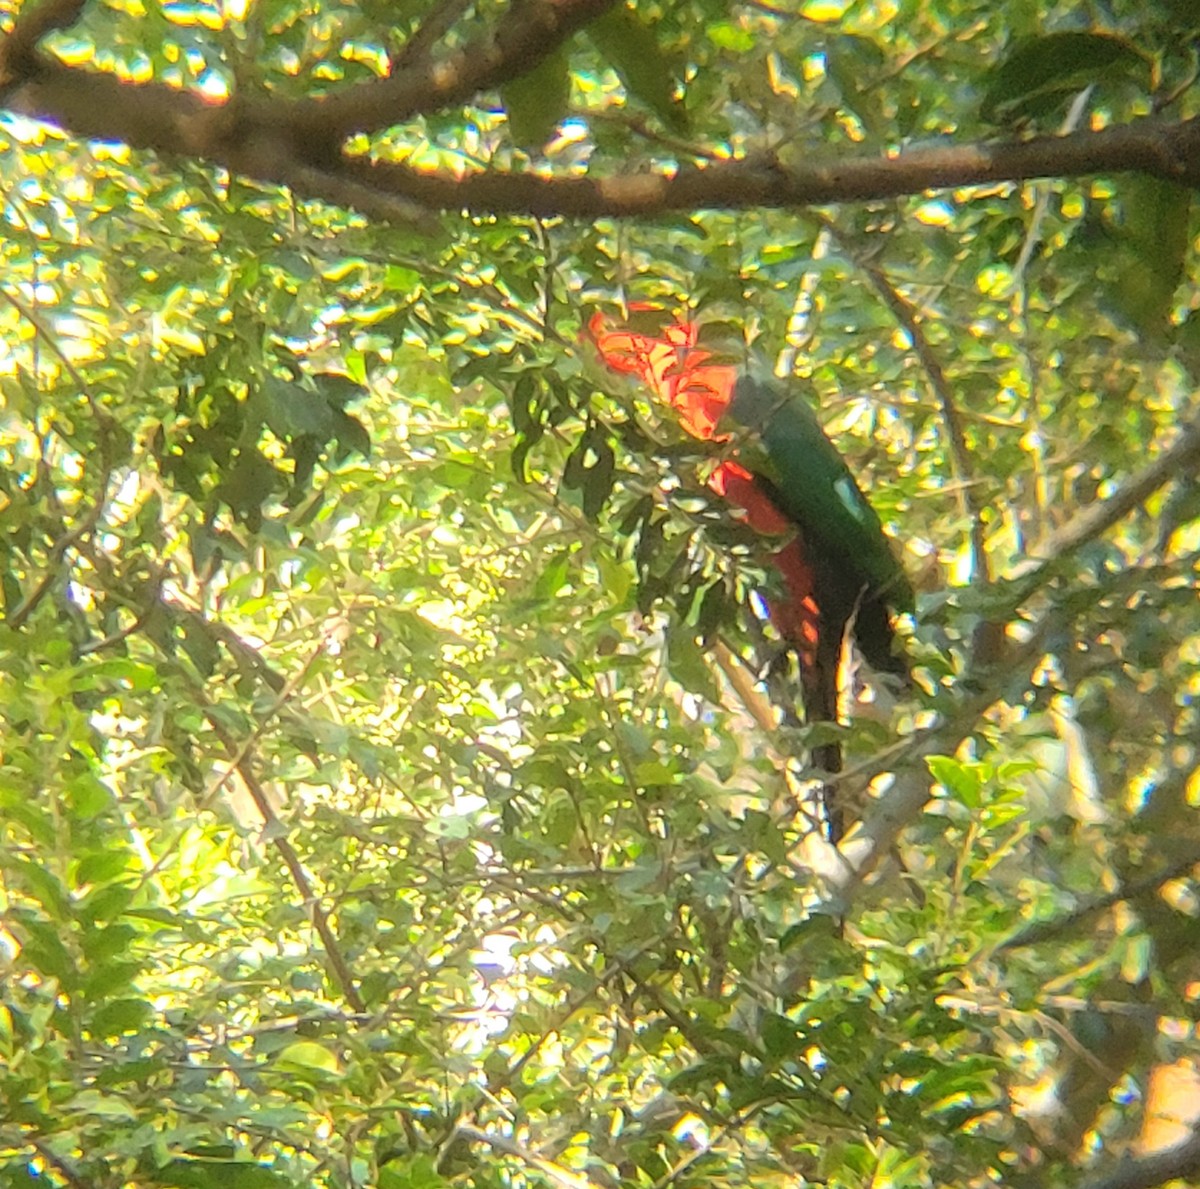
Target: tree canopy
{"x":396,"y":783}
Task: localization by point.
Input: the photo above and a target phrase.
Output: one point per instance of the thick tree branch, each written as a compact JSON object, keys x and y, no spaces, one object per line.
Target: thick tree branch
{"x":1167,"y":150}
{"x":1182,"y":1162}
{"x":237,"y":134}
{"x":274,"y":141}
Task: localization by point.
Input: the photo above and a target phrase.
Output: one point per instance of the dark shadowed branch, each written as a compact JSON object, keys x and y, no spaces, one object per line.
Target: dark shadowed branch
{"x":1145,"y":1172}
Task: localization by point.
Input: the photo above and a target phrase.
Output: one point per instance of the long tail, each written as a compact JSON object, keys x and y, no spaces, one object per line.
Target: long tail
{"x":816,"y":632}
{"x":819,"y":683}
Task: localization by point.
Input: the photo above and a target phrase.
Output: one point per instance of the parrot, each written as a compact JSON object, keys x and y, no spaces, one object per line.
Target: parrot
{"x":787,"y":481}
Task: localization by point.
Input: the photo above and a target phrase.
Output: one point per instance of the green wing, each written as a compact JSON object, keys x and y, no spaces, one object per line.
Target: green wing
{"x":814,"y":487}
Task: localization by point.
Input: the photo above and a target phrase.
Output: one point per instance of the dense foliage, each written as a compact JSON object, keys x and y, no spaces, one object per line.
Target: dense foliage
{"x":393,"y":788}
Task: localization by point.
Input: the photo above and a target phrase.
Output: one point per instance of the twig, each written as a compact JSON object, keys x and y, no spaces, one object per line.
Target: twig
{"x":61,"y":1165}
{"x":238,"y":754}
{"x":274,"y":831}
{"x":135,"y":626}
{"x":1041,"y":931}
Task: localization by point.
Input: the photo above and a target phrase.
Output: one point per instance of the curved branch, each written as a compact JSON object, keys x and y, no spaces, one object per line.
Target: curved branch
{"x":1166,"y":150}
{"x":1182,"y":457}
{"x":530,"y":32}
{"x":18,"y":54}
{"x":156,"y":116}
{"x":1182,"y":1162}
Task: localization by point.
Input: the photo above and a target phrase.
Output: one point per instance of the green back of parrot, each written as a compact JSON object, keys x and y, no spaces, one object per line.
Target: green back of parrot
{"x":813,"y":485}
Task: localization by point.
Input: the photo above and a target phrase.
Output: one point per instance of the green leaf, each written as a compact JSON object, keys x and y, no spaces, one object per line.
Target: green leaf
{"x":296,"y":407}
{"x":591,"y":469}
{"x":1040,"y":74}
{"x":629,"y":44}
{"x":537,"y":101}
{"x":351,"y":435}
{"x":686,"y":663}
{"x":308,"y":1055}
{"x":89,"y":796}
{"x":780,"y":1036}
{"x":553,"y":577}
{"x":118,"y":1017}
{"x":249,"y":484}
{"x":220,"y":1174}
{"x":40,"y":884}
{"x":45,"y":952}
{"x":853,"y":63}
{"x":1154,"y":238}
{"x":962,"y":781}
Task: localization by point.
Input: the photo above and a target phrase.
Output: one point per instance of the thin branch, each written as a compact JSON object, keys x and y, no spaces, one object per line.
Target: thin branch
{"x":274,"y":831}
{"x":906,"y":315}
{"x":64,"y":1167}
{"x":744,"y":686}
{"x":1180,"y":458}
{"x":238,"y":756}
{"x":139,"y":621}
{"x":1041,"y":931}
{"x":903,"y":803}
{"x":104,"y":432}
{"x":562,"y":1177}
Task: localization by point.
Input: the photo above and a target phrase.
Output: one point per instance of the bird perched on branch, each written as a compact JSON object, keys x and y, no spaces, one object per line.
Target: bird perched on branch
{"x":788,"y":483}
